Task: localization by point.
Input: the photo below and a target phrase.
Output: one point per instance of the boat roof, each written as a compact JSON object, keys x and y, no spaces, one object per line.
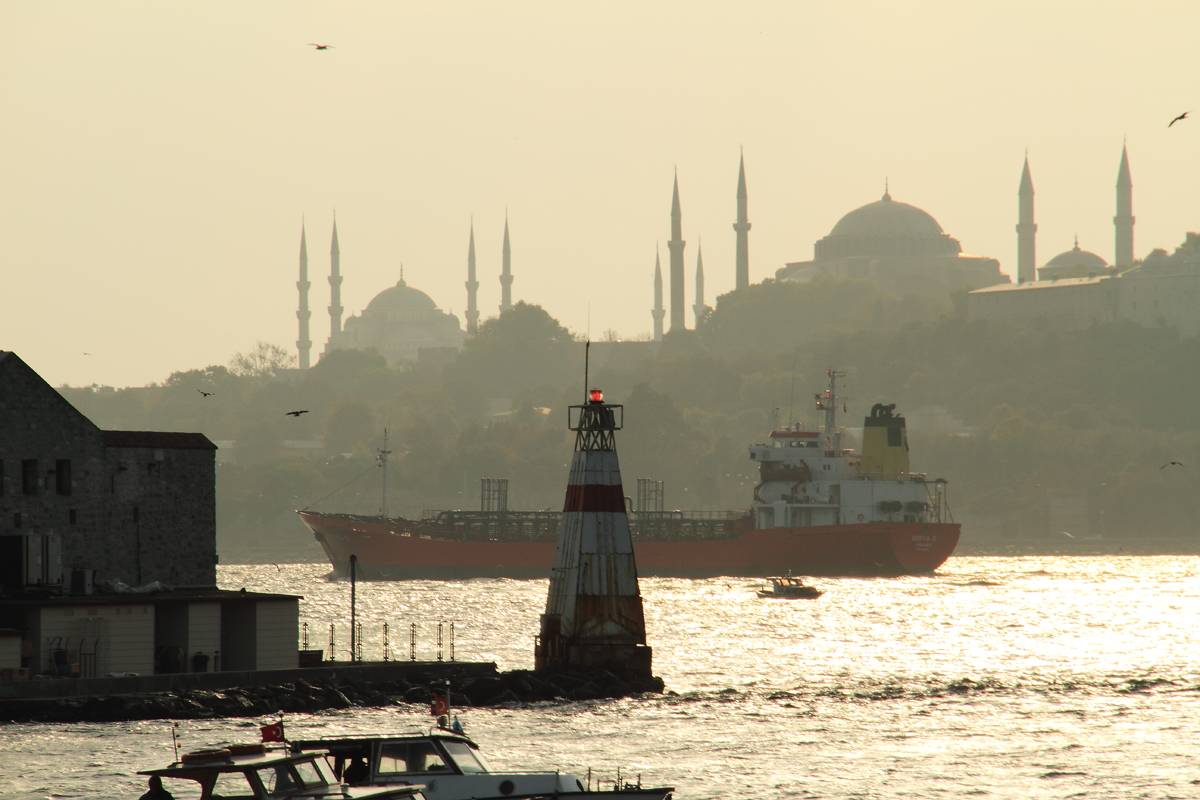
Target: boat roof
{"x":232,"y":763}
{"x":338,"y":741}
{"x":795,"y":434}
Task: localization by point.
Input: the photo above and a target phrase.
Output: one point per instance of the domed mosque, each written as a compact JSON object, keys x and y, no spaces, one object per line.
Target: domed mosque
{"x":403,"y":324}
{"x":899,"y":247}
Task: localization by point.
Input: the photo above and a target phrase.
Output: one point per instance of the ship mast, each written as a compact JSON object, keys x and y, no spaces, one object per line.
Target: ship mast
{"x":383,"y":459}
{"x":828,"y":404}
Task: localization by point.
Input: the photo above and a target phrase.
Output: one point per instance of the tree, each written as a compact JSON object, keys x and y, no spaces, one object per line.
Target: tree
{"x":522,"y":347}
{"x":264,"y":361}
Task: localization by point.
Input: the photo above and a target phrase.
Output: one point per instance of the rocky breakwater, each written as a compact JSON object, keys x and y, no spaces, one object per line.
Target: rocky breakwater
{"x":339,"y":691}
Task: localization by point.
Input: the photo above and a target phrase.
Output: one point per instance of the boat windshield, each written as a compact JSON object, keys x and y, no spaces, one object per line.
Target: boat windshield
{"x":406,"y":757}
{"x":232,"y":786}
{"x":310,"y":775}
{"x":278,"y":779}
{"x":464,"y":756}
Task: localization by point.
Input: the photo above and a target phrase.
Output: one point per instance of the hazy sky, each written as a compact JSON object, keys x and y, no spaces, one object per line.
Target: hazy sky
{"x":157,"y":158}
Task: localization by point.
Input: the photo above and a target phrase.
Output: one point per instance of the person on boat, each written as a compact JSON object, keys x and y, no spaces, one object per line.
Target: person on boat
{"x":157,"y":792}
{"x":357,"y":771}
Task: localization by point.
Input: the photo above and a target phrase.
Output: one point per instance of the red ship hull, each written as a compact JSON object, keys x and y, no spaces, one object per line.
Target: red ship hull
{"x":869,"y":549}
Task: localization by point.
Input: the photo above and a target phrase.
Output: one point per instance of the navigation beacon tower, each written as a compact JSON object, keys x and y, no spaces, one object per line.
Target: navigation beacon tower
{"x":594,"y":609}
{"x":304,"y":343}
{"x":676,"y":245}
{"x":1026,"y":229}
{"x":742,"y":226}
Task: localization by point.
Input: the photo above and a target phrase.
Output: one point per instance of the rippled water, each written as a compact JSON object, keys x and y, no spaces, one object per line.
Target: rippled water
{"x":998,"y":677}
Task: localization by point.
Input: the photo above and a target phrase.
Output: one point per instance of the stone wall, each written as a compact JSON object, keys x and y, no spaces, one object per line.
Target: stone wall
{"x":136,"y":507}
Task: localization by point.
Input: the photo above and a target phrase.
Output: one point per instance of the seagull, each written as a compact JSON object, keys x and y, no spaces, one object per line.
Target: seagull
{"x":87,"y":354}
{"x":297,"y":413}
{"x":327,"y":46}
{"x":1181,"y":116}
{"x":206,"y":394}
{"x":1064,"y":533}
{"x":1171,"y":463}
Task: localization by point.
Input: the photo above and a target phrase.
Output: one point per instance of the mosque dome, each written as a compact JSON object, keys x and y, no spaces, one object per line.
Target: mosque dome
{"x":1076,"y":258}
{"x":886,"y":229}
{"x":401,"y":297}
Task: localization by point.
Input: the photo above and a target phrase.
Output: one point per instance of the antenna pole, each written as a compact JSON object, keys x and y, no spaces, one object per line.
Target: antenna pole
{"x":586,"y":351}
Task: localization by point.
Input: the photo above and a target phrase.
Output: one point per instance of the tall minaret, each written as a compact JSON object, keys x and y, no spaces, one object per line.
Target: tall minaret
{"x":472,"y":285}
{"x":658,"y":312}
{"x":698,"y":307}
{"x":335,"y":285}
{"x":676,"y":245}
{"x":742,"y":226}
{"x":1124,"y":219}
{"x":506,"y":273}
{"x":303,"y":344}
{"x":1026,"y":229}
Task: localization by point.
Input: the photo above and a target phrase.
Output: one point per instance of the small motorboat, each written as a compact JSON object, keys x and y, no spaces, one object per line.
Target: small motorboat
{"x":787,"y":586}
{"x":448,"y":766}
{"x":253,"y":772}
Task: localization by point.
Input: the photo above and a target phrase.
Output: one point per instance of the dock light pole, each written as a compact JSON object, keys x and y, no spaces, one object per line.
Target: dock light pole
{"x":353,"y":627}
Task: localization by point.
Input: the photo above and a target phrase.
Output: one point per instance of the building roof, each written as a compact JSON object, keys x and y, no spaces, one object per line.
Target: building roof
{"x":401,"y":297}
{"x":1030,"y":286}
{"x":886,"y":217}
{"x":158,"y":440}
{"x":146,"y":598}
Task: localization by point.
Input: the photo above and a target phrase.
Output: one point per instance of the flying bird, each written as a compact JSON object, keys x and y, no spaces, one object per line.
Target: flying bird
{"x":1171,"y":463}
{"x":297,"y":413}
{"x":1181,"y":116}
{"x":327,"y":46}
{"x":206,"y":394}
{"x":1068,"y":535}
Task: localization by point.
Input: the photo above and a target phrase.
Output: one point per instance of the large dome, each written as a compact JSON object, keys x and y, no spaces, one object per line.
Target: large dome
{"x":886,"y":229}
{"x":886,"y":217}
{"x":1077,"y":258}
{"x":401,"y":297}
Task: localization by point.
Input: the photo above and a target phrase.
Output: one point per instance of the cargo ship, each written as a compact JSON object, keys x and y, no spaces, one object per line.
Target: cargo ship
{"x":820,"y":508}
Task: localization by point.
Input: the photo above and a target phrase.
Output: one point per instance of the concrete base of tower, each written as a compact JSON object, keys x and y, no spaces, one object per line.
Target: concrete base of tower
{"x":558,"y":653}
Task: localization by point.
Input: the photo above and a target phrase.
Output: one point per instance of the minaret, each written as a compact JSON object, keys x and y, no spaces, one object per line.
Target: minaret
{"x":742,"y":226}
{"x":335,"y":285}
{"x":698,"y":307}
{"x":506,"y":273}
{"x":676,"y":245}
{"x":1026,"y":229}
{"x":658,"y":312}
{"x":1124,"y":219}
{"x":472,"y":285}
{"x":303,"y":344}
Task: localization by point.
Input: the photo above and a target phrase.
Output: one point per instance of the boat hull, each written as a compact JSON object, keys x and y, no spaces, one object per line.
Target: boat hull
{"x":867,"y":549}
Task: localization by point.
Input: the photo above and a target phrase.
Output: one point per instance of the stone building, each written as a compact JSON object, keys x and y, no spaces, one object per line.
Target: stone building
{"x":900,"y":248}
{"x":134,"y":506}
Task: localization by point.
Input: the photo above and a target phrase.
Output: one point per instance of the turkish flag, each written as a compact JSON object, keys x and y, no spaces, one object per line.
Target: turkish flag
{"x":273,"y":732}
{"x":441,"y":705}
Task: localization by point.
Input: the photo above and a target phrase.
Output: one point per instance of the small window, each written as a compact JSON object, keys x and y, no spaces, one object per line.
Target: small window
{"x":29,"y":476}
{"x":62,"y":476}
{"x":463,"y":756}
{"x":72,"y":515}
{"x":310,"y":776}
{"x":137,"y":514}
{"x":17,"y":520}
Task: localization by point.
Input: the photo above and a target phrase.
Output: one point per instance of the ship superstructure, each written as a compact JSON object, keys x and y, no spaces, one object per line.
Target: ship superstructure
{"x":808,"y":478}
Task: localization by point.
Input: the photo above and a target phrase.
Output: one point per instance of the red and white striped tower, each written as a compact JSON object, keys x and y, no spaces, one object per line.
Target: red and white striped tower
{"x":594,"y":607}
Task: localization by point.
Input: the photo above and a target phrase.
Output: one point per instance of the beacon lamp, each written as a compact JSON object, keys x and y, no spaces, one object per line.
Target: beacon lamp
{"x":595,"y":395}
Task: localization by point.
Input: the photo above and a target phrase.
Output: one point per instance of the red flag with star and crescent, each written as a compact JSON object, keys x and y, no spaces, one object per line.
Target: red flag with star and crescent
{"x":272,"y":732}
